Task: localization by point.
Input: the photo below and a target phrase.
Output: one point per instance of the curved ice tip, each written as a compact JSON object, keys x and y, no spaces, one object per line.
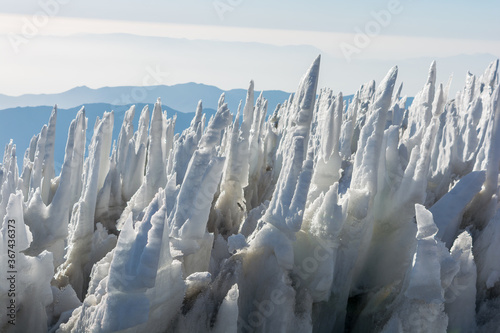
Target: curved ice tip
{"x":432,"y":72}
{"x":495,"y":63}
{"x":238,"y":114}
{"x":81,"y":112}
{"x":251,"y":85}
{"x":390,"y":78}
{"x":158,"y":100}
{"x":199,"y":108}
{"x":314,"y":69}
{"x":222,"y":99}
{"x":400,"y":88}
{"x":394,"y":72}
{"x":316,"y":63}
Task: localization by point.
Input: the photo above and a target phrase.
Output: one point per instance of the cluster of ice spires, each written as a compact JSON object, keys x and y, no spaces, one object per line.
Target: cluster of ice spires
{"x":329,"y":216}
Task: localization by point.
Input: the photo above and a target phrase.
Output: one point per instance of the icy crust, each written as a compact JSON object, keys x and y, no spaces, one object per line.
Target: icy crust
{"x":330,"y":215}
{"x":25,"y":287}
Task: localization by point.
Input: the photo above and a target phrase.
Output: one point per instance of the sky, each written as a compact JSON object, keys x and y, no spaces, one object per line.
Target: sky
{"x":50,"y":46}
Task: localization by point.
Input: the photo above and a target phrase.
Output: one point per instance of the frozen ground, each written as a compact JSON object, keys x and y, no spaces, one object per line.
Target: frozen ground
{"x":322,"y":218}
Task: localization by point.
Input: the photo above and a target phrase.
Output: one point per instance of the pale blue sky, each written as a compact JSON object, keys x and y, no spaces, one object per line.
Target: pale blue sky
{"x":466,"y":32}
{"x":427,"y":18}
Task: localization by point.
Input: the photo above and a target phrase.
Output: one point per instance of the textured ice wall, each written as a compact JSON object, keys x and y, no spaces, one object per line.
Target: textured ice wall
{"x":322,"y":218}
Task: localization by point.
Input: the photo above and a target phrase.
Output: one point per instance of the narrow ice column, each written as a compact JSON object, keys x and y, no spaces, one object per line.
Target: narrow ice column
{"x":261,"y":151}
{"x":358,"y":226}
{"x":421,"y":306}
{"x":328,"y":160}
{"x":228,"y":208}
{"x":126,"y":134}
{"x":10,"y":177}
{"x":461,"y":294}
{"x":49,"y":224}
{"x":293,"y":150}
{"x":371,"y":136}
{"x":213,"y":134}
{"x":297,"y":117}
{"x":74,"y":270}
{"x":483,"y":207}
{"x":255,"y":153}
{"x":421,"y":109}
{"x":70,"y":179}
{"x":155,"y":169}
{"x":169,"y":135}
{"x":109,"y":205}
{"x":491,"y":183}
{"x":425,"y":276}
{"x":25,"y":285}
{"x":347,"y":144}
{"x":270,"y":255}
{"x":142,"y":131}
{"x":155,"y":176}
{"x":37,"y":171}
{"x":484,"y":97}
{"x":133,"y":175}
{"x":27,"y":170}
{"x":201,"y":181}
{"x":48,"y":159}
{"x":198,"y":116}
{"x":227,"y":317}
{"x":186,"y":144}
{"x":246,"y":126}
{"x":193,"y":221}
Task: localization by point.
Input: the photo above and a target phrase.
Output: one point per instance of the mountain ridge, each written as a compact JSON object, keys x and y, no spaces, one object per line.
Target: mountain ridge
{"x":182,"y":97}
{"x":21,"y":131}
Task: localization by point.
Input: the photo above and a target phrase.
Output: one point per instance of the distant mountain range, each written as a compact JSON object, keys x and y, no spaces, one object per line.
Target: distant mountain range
{"x":23,"y":116}
{"x":181,"y":97}
{"x":22,"y":123}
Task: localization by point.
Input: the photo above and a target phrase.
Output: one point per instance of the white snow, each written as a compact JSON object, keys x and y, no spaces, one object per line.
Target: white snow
{"x":330,"y":215}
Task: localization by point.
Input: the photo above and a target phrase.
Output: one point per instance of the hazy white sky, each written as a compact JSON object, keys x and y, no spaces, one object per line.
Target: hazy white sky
{"x":53,"y":45}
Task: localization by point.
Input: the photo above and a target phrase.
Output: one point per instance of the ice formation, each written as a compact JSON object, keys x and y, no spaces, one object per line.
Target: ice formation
{"x":331,"y":215}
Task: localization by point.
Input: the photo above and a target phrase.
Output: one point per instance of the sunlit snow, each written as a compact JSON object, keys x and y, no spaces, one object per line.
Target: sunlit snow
{"x":326,"y":216}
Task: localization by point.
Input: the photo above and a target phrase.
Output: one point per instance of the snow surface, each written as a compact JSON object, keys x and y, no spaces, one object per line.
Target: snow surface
{"x":326,"y":217}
